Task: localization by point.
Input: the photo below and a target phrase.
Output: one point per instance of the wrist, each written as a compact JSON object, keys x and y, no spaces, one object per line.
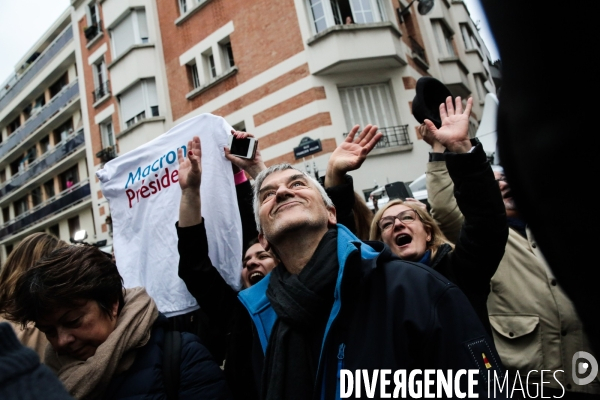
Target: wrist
{"x":333,"y":178}
{"x":438,"y":148}
{"x":460,"y":147}
{"x":254,"y":170}
{"x":240,"y":177}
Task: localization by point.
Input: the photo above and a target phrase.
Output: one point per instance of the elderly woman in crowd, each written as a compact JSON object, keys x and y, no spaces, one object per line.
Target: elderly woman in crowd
{"x":23,"y":257}
{"x":412,"y":234}
{"x":107,"y":342}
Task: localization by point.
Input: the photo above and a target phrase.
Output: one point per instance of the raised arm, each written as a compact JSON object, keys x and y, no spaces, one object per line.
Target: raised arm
{"x":201,"y":278}
{"x":348,"y":156}
{"x":482,"y":238}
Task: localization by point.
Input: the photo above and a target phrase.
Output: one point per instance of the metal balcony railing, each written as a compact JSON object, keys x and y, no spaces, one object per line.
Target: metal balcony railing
{"x":14,"y":86}
{"x":417,"y":49}
{"x":44,"y":162}
{"x":102,"y":90}
{"x":65,"y":199}
{"x":392,"y":136}
{"x":64,"y":97}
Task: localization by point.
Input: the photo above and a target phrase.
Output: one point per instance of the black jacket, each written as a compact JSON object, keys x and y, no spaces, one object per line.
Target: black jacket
{"x":483,"y":236}
{"x":229,"y":322}
{"x":200,"y":376}
{"x":388,"y":314}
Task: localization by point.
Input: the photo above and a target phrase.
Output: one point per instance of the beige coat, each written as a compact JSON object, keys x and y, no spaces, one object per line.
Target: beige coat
{"x":535,"y":325}
{"x":30,"y":337}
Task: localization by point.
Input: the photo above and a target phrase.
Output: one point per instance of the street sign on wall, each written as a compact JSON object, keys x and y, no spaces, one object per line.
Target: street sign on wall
{"x":307,"y":147}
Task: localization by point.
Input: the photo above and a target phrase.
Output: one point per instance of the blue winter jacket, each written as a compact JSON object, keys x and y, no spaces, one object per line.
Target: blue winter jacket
{"x":388,"y":314}
{"x":200,"y":376}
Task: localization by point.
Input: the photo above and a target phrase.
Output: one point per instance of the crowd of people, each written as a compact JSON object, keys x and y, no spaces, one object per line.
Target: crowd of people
{"x":458,"y":284}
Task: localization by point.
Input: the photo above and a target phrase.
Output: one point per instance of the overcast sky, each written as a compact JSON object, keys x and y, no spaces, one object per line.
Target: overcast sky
{"x":22,"y":23}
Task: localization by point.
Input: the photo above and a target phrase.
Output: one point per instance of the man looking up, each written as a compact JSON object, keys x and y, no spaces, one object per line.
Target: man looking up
{"x":337,"y":303}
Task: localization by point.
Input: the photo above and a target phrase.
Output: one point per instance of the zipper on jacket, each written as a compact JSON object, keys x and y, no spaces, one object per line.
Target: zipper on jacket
{"x":340,"y":366}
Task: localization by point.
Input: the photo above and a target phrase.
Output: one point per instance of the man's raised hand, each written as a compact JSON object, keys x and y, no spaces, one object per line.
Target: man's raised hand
{"x":190,"y":167}
{"x":351,"y":153}
{"x":454,"y":133}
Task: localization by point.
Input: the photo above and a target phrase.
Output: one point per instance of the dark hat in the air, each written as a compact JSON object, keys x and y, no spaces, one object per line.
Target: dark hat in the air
{"x":426,"y":104}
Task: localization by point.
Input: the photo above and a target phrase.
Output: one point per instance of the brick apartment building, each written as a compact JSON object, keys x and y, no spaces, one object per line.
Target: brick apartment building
{"x":285,"y":70}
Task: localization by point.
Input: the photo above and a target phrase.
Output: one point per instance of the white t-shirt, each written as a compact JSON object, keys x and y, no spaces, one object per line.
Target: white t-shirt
{"x":143,"y":192}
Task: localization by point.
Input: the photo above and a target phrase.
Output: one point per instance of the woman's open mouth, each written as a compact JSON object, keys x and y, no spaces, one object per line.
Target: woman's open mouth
{"x":255,"y":277}
{"x":403,"y":240}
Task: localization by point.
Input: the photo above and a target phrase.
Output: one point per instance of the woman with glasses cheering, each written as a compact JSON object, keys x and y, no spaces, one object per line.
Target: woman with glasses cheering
{"x":413,"y":235}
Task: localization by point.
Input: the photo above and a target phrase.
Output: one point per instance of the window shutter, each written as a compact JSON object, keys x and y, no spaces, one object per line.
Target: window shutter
{"x":369,"y":104}
{"x":132,"y":102}
{"x":123,"y":36}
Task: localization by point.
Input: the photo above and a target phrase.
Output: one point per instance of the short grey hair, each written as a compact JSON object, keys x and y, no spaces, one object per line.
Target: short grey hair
{"x":282,"y":167}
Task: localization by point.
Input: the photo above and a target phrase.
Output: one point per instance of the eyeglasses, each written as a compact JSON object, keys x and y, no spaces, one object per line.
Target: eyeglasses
{"x":406,"y":217}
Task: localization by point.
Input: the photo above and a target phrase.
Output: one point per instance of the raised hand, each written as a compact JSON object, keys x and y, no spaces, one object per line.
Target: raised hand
{"x":351,"y":153}
{"x":190,"y":167}
{"x":454,"y":133}
{"x":252,"y":167}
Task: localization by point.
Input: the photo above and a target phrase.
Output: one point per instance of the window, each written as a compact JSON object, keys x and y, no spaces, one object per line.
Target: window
{"x":183,"y":6}
{"x":470,"y":40}
{"x":369,"y":104}
{"x":63,"y":131}
{"x":14,"y":125}
{"x":54,"y":230}
{"x":443,"y":39}
{"x":132,"y":30}
{"x":326,"y":13}
{"x":31,"y":154}
{"x":49,"y":189}
{"x":100,"y":81}
{"x":241,"y":126}
{"x":211,"y":66}
{"x":21,"y":206}
{"x":36,"y":196}
{"x":39,"y":103}
{"x":479,"y":84}
{"x":227,"y":53}
{"x":71,"y":175}
{"x":3,"y":176}
{"x":17,"y":166}
{"x":138,"y":102}
{"x":108,"y":136}
{"x":93,"y":15}
{"x":74,"y":225}
{"x":6,"y":214}
{"x":193,"y":74}
{"x":57,"y":86}
{"x":44,"y":144}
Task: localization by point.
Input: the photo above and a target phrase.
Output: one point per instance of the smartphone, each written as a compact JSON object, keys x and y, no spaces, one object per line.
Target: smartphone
{"x":243,"y":148}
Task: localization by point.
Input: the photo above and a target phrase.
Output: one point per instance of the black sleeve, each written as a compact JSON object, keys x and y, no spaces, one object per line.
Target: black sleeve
{"x":216,"y":298}
{"x":244,"y":198}
{"x":483,"y":236}
{"x":343,"y":200}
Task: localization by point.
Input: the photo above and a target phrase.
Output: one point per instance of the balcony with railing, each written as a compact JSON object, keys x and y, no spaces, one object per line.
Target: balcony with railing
{"x":101,"y":91}
{"x":393,"y":136}
{"x":67,"y":198}
{"x":46,"y":161}
{"x":15,"y":85}
{"x":63,"y":98}
{"x":418,"y":54}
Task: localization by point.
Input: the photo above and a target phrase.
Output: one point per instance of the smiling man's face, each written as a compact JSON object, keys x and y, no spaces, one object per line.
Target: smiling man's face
{"x":289,"y":202}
